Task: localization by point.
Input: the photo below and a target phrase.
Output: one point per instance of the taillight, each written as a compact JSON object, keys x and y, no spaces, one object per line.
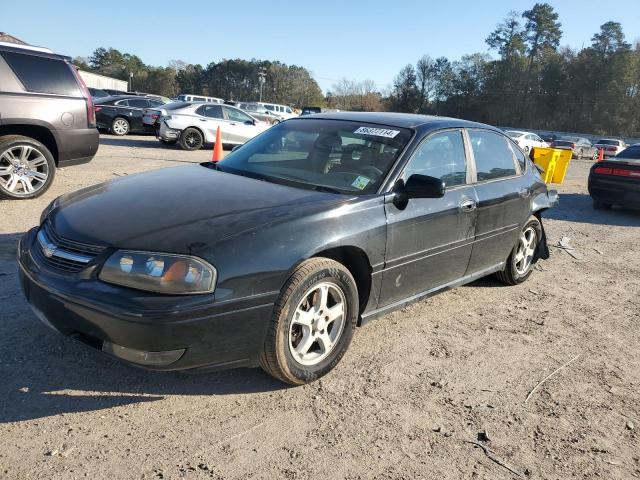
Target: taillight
{"x":573,"y":145}
{"x":603,"y":170}
{"x":620,"y":172}
{"x":91,"y":114}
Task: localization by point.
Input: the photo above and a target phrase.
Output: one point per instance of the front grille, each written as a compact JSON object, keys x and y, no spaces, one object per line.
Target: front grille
{"x":62,"y":253}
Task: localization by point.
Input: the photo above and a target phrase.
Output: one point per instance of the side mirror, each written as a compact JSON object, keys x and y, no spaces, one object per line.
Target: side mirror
{"x":250,"y":122}
{"x":424,"y":186}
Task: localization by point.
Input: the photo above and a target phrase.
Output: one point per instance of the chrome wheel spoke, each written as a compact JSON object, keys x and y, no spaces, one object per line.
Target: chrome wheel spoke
{"x":13,"y":182}
{"x":325,"y":342}
{"x":37,"y":175}
{"x":305,"y":343}
{"x":24,"y":154}
{"x":37,"y":162}
{"x":303,"y":318}
{"x":26,"y":185}
{"x":4,"y":171}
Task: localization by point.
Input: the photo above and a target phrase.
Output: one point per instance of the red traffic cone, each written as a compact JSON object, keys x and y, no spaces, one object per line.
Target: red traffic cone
{"x":217,"y":147}
{"x":600,"y":154}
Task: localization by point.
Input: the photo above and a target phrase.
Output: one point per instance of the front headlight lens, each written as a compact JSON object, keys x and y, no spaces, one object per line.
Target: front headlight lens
{"x":159,"y":272}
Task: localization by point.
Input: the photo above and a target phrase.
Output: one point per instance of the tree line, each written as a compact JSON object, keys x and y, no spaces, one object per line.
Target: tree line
{"x":229,"y":79}
{"x":534,"y":83}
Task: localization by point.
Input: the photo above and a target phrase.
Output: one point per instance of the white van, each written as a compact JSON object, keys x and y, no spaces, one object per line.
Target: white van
{"x":187,"y":97}
{"x":280,"y":110}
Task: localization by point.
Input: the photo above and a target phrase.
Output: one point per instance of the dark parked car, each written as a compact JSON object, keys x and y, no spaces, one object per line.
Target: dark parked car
{"x":46,"y":119}
{"x":97,"y":94}
{"x":115,"y":93}
{"x":122,"y":115}
{"x":310,"y":110}
{"x":273,"y":255}
{"x":580,"y":147}
{"x":616,"y":181}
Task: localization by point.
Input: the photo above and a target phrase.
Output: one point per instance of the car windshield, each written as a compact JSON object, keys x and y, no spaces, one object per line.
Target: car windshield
{"x":607,"y":142}
{"x":630,"y":153}
{"x":515,"y":134}
{"x":321,"y":154}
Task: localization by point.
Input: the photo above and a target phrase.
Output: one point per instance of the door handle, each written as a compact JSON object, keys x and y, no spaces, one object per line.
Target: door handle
{"x":524,"y":193}
{"x":202,"y":119}
{"x":467,"y":205}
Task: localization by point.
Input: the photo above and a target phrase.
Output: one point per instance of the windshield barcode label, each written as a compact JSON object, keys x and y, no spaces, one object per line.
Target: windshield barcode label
{"x":378,"y":132}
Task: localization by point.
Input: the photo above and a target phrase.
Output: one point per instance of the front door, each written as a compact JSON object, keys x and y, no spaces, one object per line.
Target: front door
{"x":238,"y":127}
{"x":429,"y":240}
{"x":504,"y":198}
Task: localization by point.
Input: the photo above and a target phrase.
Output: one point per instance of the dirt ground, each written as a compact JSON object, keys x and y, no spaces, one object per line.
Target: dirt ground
{"x":415,"y":389}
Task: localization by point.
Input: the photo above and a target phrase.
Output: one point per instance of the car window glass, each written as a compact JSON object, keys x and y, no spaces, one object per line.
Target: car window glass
{"x":441,"y":156}
{"x":199,"y":99}
{"x":211,"y":111}
{"x":236,"y":115}
{"x":520,"y":156}
{"x":138,"y":102}
{"x":269,"y":107}
{"x":155,"y":103}
{"x":289,"y":110}
{"x":630,"y":152}
{"x":494,"y":157}
{"x":122,"y":103}
{"x":43,"y":75}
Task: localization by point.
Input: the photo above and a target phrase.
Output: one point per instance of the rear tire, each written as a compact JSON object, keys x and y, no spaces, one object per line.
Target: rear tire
{"x":308,"y":336}
{"x":120,"y":126}
{"x":191,"y":139}
{"x":598,"y":205}
{"x":521,"y":260}
{"x":27,"y":167}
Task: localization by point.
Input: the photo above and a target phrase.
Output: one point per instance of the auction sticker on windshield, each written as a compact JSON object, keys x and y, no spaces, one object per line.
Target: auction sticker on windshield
{"x":378,"y":132}
{"x":361,"y":182}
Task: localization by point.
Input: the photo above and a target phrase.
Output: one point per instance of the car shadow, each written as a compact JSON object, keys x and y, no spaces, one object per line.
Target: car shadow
{"x":44,"y":373}
{"x":578,"y":207}
{"x":149,"y":142}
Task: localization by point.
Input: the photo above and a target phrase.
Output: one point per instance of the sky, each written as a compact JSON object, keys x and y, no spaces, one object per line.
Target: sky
{"x":333,"y":39}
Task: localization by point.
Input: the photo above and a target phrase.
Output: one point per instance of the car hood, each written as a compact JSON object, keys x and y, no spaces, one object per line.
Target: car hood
{"x":180,"y":210}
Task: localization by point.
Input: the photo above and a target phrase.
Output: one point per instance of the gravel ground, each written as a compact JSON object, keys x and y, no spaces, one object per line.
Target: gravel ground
{"x":415,"y":390}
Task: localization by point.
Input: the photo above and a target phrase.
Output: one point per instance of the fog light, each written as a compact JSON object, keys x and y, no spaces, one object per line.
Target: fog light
{"x":142,"y":357}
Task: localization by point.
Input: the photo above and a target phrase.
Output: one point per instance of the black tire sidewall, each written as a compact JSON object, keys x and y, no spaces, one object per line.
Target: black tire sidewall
{"x":345,"y":282}
{"x":16,"y":142}
{"x":183,"y":137}
{"x":120,"y":134}
{"x":517,"y":277}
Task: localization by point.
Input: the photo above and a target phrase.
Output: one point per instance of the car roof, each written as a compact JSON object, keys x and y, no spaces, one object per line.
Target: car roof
{"x":32,"y":50}
{"x":521,"y":132}
{"x":401,"y":120}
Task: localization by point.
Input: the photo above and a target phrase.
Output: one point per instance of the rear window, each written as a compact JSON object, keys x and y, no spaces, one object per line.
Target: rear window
{"x":43,"y":75}
{"x":608,"y":142}
{"x":631,"y":152}
{"x":514,"y":134}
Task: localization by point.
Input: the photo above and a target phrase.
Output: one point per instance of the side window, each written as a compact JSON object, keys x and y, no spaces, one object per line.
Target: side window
{"x":236,"y":115}
{"x":269,"y":107}
{"x":198,"y":99}
{"x":494,"y":156}
{"x":138,"y":103}
{"x":43,"y":75}
{"x":211,"y":111}
{"x":289,"y":110}
{"x":122,"y":103}
{"x":441,"y":156}
{"x":520,"y":156}
{"x":155,"y":103}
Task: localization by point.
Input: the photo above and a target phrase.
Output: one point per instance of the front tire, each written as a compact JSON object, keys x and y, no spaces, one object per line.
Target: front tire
{"x":313,"y":322}
{"x":191,"y":139}
{"x":120,"y":126}
{"x":521,"y":260}
{"x":27,"y":167}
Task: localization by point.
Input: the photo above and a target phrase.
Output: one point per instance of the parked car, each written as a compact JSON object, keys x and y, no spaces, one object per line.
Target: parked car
{"x":580,"y":147}
{"x":548,"y":137}
{"x":152,"y":115}
{"x":97,"y":94}
{"x":616,"y":181}
{"x":185,"y":97}
{"x":261,"y":113}
{"x":123,"y":114}
{"x":115,"y":93}
{"x":527,"y":140}
{"x":283,"y":111}
{"x":196,"y":124}
{"x":46,"y":119}
{"x":310,"y":110}
{"x":610,"y":146}
{"x":274,"y":255}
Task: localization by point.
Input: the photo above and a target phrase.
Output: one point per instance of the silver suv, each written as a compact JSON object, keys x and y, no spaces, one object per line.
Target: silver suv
{"x":47,"y":119}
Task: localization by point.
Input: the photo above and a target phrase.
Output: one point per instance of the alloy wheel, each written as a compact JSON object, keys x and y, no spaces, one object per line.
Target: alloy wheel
{"x":317,"y":324}
{"x":526,"y":250}
{"x":120,"y":126}
{"x":23,"y":170}
{"x":192,"y":139}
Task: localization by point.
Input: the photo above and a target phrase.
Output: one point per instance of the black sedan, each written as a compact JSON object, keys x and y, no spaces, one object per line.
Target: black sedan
{"x":123,"y":114}
{"x":275,"y":254}
{"x":616,"y":181}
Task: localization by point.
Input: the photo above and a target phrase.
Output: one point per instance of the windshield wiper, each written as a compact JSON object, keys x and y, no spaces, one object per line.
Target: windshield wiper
{"x":324,"y":188}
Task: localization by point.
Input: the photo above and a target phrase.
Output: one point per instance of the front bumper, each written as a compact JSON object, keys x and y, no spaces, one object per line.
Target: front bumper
{"x":152,"y":331}
{"x":165,"y":132}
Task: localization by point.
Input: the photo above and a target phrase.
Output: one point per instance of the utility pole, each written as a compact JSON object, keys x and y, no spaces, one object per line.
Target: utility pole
{"x":131,"y":81}
{"x":262,"y":76}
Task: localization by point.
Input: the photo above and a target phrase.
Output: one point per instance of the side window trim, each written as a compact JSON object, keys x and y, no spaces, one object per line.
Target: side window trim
{"x":429,"y":137}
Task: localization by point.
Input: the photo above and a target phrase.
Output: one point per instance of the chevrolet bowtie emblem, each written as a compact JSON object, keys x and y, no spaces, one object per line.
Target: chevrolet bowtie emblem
{"x":49,"y":249}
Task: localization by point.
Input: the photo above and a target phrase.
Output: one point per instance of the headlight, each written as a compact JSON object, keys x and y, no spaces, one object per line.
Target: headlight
{"x":159,"y":272}
{"x":47,"y":210}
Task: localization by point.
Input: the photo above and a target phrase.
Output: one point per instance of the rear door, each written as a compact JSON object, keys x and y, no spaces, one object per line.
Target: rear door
{"x":210,"y":117}
{"x":136,"y":111}
{"x":504,"y":197}
{"x":429,"y":240}
{"x":239,"y":127}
